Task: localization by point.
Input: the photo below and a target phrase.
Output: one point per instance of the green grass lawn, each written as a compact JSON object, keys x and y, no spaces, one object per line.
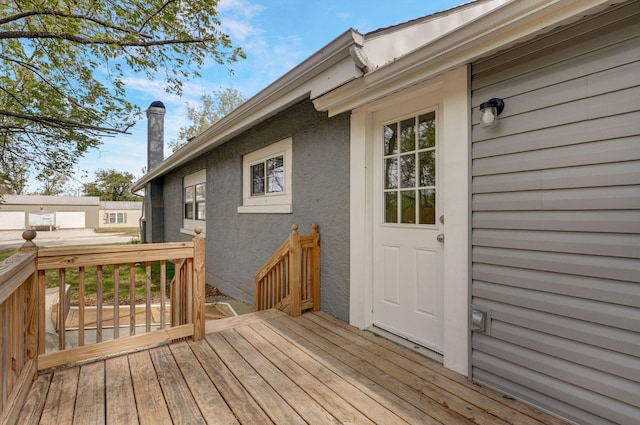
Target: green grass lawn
{"x":129,"y":231}
{"x":91,"y":280}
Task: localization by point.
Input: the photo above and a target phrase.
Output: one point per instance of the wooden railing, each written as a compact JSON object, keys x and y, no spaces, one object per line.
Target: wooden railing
{"x":290,"y":279}
{"x":35,"y":333}
{"x":145,"y":324}
{"x":18,"y":331}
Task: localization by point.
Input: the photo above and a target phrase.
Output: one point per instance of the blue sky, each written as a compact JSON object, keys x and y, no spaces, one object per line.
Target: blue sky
{"x":276,"y":35}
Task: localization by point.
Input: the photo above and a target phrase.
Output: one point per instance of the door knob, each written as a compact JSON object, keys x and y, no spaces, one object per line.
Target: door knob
{"x":440,"y":238}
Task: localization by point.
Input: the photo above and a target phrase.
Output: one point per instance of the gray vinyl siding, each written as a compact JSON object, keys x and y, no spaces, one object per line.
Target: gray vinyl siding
{"x":556,"y":220}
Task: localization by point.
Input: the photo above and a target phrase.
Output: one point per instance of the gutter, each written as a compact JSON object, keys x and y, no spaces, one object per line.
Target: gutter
{"x":282,"y":93}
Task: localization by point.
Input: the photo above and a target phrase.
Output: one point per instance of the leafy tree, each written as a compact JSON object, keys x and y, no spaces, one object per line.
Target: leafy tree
{"x":53,"y":183}
{"x":64,"y":64}
{"x":214,"y":107}
{"x":14,"y":175}
{"x":112,"y":185}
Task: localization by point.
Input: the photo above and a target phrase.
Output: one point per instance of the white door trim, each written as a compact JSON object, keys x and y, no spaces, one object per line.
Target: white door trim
{"x":455,"y":110}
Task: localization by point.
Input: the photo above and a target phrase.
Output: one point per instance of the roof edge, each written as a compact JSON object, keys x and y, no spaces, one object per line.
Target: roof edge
{"x":279,"y":94}
{"x":512,"y":22}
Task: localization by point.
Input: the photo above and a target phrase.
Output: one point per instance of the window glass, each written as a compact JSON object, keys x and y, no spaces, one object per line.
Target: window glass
{"x":410,"y":170}
{"x":427,"y":130}
{"x":275,"y":174}
{"x":188,"y":202}
{"x":257,"y":179}
{"x":390,"y":139}
{"x":200,"y":208}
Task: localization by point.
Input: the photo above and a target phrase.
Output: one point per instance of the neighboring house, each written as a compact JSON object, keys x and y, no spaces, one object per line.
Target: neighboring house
{"x":18,"y":212}
{"x":512,"y":250}
{"x":120,"y":213}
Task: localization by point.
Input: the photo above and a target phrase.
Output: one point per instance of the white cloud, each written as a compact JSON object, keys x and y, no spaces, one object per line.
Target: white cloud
{"x":242,"y":8}
{"x":239,"y":30}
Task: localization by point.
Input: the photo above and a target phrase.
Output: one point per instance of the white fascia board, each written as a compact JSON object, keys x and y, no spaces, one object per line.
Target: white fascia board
{"x":385,"y":46}
{"x":314,"y":75}
{"x":508,"y":24}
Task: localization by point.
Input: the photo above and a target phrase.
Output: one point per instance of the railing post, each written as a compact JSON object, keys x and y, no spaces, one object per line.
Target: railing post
{"x":295,"y":257}
{"x":315,"y":272}
{"x":34,"y":297}
{"x":198,"y":286}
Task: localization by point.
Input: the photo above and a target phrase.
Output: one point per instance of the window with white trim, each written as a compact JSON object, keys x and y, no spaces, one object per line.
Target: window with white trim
{"x":117,"y":218}
{"x":266,"y":179}
{"x":194,"y":205}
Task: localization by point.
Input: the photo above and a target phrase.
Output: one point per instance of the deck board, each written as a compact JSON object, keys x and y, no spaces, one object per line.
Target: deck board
{"x":211,"y":404}
{"x":422,"y":390}
{"x":269,"y":368}
{"x":305,"y":372}
{"x":90,"y":406}
{"x":150,"y":402}
{"x":61,"y":398}
{"x":120,"y":398}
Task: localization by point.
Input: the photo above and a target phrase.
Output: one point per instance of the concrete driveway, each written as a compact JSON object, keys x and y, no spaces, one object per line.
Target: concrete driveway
{"x":65,"y":237}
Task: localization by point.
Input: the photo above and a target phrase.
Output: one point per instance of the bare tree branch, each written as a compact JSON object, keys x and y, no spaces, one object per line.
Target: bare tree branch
{"x":60,"y":123}
{"x":7,"y":35}
{"x":59,"y":14}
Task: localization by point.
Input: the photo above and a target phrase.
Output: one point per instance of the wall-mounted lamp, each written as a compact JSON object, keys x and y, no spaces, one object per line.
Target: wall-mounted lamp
{"x":489,"y":112}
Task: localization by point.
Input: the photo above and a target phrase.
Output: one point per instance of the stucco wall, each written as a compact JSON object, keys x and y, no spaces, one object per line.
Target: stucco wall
{"x":238,"y":244}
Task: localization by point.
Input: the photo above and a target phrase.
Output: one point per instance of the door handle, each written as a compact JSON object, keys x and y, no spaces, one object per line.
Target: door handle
{"x":440,"y":238}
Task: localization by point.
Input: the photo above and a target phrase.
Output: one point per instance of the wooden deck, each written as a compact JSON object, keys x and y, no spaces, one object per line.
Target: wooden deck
{"x":266,"y":368}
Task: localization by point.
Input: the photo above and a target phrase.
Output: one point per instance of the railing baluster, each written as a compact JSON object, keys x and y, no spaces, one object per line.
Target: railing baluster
{"x":189,"y":291}
{"x":175,"y":295}
{"x":61,"y":308}
{"x":18,"y":331}
{"x":147,"y":293}
{"x":132,"y":299}
{"x":315,"y":261}
{"x":99,"y":304}
{"x":116,"y":301}
{"x":41,"y":312}
{"x":163,"y":291}
{"x":80,"y":306}
{"x":4,"y":354}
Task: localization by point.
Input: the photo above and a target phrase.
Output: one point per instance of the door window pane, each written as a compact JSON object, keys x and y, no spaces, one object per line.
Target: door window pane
{"x":391,"y":173}
{"x":427,"y":162}
{"x":407,"y":135}
{"x":408,"y":170}
{"x":391,"y":207}
{"x":427,"y":130}
{"x":408,"y":206}
{"x":427,"y":206}
{"x":390,"y":139}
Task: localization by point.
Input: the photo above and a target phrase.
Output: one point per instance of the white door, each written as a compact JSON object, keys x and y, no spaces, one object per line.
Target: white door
{"x":408,"y":278}
{"x":70,"y":219}
{"x":11,"y":220}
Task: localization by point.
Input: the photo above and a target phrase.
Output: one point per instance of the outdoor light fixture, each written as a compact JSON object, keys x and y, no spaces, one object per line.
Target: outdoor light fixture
{"x":489,"y":112}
